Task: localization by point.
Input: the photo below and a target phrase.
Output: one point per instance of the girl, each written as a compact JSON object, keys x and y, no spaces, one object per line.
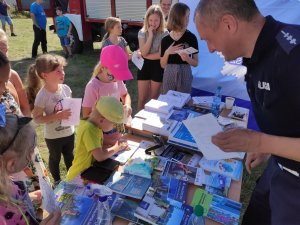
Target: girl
{"x":113,"y":34}
{"x":151,"y":74}
{"x":17,"y":143}
{"x":178,"y":73}
{"x":8,"y":94}
{"x":9,"y":101}
{"x":107,"y":80}
{"x":15,"y":78}
{"x":48,"y":109}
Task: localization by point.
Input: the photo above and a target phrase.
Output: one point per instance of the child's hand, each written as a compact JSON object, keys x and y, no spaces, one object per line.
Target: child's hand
{"x":173,"y":48}
{"x":53,"y":219}
{"x":127,"y":108}
{"x":36,"y":197}
{"x":122,"y":145}
{"x":63,"y":115}
{"x":151,"y":31}
{"x":184,"y":56}
{"x":139,"y":54}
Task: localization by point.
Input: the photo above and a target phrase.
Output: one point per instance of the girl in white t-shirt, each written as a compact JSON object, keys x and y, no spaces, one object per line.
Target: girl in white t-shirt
{"x":48,"y":109}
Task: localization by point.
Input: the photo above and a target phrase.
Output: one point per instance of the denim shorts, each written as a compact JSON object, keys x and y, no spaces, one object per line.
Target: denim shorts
{"x":64,"y":41}
{"x":5,"y":19}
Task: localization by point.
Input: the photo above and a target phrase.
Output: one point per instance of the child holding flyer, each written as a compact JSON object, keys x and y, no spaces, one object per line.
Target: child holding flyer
{"x":48,"y":109}
{"x":178,"y":74}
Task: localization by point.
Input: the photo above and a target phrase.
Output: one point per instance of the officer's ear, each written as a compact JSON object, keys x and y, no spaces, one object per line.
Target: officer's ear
{"x":229,"y":23}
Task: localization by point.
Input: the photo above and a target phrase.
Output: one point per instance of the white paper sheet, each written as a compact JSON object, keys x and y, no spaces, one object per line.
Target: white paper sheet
{"x":202,"y":128}
{"x":75,"y":105}
{"x":48,"y":200}
{"x":137,"y":61}
{"x":188,"y":51}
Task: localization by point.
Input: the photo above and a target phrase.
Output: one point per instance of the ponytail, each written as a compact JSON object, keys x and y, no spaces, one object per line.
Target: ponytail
{"x":34,"y":84}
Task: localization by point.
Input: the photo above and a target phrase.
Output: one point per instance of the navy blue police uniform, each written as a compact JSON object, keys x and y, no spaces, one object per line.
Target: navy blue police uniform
{"x":273,"y":84}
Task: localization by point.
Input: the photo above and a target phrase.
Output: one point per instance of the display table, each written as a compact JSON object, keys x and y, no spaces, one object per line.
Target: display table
{"x":233,"y":193}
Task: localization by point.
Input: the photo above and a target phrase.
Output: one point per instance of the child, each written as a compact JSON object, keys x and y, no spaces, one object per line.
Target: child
{"x":8,"y":94}
{"x":151,"y":75}
{"x":107,"y":80}
{"x":17,"y":139}
{"x":48,"y":109}
{"x":89,"y":139}
{"x":178,"y":73}
{"x":63,"y":30}
{"x":5,"y":17}
{"x":113,"y":34}
{"x":15,"y":78}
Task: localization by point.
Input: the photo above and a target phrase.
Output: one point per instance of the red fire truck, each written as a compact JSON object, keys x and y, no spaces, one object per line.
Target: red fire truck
{"x":88,"y":17}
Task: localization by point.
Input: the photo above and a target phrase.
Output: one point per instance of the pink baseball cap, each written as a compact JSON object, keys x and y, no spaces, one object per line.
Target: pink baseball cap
{"x":115,"y":59}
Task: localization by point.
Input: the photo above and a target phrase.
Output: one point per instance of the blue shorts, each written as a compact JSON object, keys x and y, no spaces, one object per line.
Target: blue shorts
{"x":64,"y":41}
{"x":5,"y":19}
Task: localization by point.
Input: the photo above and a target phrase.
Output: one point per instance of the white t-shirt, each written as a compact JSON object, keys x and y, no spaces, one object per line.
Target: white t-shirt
{"x":51,"y":103}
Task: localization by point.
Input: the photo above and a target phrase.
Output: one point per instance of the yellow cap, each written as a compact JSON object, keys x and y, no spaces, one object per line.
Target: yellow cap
{"x":110,"y":108}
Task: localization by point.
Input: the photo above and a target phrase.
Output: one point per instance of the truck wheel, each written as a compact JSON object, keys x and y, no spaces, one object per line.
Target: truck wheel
{"x":75,"y":43}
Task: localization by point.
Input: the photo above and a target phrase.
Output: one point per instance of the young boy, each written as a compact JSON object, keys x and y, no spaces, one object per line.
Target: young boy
{"x":4,"y":17}
{"x":89,"y":139}
{"x":63,"y":30}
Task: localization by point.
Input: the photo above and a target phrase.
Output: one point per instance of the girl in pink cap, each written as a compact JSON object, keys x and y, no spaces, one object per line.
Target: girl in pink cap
{"x":107,"y":80}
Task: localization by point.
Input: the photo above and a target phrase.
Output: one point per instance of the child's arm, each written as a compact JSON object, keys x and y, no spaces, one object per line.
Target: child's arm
{"x":192,"y":61}
{"x":86,"y":111}
{"x":70,"y":30}
{"x":145,"y":46}
{"x":101,"y":154}
{"x":126,"y":99}
{"x":39,"y":116}
{"x":128,"y":52}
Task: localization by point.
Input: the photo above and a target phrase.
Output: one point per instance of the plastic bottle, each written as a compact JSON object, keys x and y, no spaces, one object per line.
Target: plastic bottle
{"x":103,"y":215}
{"x":215,"y":107}
{"x":198,"y":218}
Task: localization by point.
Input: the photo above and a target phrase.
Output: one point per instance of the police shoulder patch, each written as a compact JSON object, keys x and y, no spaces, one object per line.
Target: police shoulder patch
{"x":288,"y":38}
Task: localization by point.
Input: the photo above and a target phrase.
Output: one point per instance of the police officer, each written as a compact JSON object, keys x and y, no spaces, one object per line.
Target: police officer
{"x":271,"y":53}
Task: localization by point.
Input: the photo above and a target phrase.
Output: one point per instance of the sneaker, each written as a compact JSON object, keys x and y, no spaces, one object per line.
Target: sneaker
{"x":66,"y":56}
{"x":13,"y":35}
{"x":71,"y":56}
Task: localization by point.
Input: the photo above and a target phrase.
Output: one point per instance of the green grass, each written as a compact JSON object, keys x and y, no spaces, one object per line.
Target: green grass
{"x":78,"y":72}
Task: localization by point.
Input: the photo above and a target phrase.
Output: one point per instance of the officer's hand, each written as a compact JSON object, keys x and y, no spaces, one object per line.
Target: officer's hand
{"x":238,"y":139}
{"x":255,"y":159}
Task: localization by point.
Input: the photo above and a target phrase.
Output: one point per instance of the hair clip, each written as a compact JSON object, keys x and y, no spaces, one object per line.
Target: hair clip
{"x":2,"y":115}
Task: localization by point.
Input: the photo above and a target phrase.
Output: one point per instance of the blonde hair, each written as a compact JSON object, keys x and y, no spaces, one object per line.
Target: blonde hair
{"x":20,"y":146}
{"x":154,"y":9}
{"x":43,"y":64}
{"x":97,"y":69}
{"x":176,"y":15}
{"x":110,"y":22}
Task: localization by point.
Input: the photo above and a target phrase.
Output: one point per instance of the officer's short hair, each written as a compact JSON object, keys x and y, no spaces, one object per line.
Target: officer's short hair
{"x":213,"y":10}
